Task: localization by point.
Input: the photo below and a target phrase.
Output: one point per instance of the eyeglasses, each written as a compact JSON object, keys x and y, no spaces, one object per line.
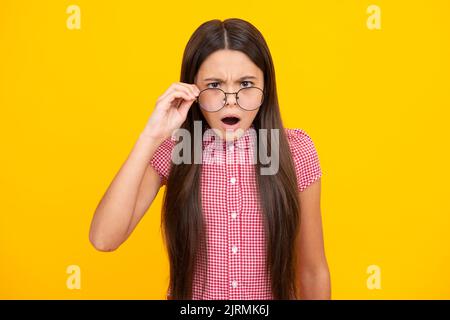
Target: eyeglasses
{"x":214,"y":99}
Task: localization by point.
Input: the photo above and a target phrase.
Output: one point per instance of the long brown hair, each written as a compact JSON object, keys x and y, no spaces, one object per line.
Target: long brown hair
{"x":182,"y":220}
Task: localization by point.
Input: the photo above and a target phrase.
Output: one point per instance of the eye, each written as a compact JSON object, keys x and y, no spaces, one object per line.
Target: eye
{"x":212,"y":83}
{"x":247,"y":82}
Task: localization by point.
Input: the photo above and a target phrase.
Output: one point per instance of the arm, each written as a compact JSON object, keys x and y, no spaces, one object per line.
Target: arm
{"x":135,"y":186}
{"x":127,"y":198}
{"x":313,"y":276}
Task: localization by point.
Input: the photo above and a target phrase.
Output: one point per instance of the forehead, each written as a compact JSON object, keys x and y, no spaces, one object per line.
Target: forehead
{"x":228,"y":63}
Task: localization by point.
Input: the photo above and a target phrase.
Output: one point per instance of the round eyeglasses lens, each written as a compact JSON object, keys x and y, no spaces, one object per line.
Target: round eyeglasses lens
{"x":211,"y":99}
{"x":250,"y":98}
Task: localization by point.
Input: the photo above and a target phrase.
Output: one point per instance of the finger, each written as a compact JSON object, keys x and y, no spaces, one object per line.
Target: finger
{"x":166,"y":102}
{"x":166,"y":92}
{"x":196,"y":88}
{"x":184,"y":107}
{"x":190,"y":87}
{"x":172,"y":88}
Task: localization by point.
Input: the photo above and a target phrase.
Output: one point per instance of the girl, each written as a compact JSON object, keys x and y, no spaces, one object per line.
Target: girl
{"x":231,"y":232}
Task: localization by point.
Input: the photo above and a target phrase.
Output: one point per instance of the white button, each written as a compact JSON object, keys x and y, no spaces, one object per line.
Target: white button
{"x":233,"y":180}
{"x":233,"y":215}
{"x":234,"y":284}
{"x":234,"y":249}
{"x":231,"y":148}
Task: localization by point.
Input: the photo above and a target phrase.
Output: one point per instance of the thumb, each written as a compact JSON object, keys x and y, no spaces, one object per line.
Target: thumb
{"x":184,"y":107}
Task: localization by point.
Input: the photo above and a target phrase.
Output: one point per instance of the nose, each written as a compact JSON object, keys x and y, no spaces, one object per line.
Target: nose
{"x":231,"y":98}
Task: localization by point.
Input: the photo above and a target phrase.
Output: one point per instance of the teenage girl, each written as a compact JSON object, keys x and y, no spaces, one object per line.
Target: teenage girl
{"x":231,"y":231}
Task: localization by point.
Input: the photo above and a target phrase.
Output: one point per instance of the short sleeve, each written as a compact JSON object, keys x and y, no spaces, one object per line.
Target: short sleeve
{"x":162,"y":159}
{"x":305,"y":157}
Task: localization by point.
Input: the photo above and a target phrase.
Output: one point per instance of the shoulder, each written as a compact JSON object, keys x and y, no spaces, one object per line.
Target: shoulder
{"x":305,"y":157}
{"x":161,"y":160}
{"x":300,"y":142}
{"x":164,"y":150}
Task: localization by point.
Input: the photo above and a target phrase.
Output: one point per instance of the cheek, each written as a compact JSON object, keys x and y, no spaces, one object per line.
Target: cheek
{"x":211,"y":117}
{"x":251,"y":116}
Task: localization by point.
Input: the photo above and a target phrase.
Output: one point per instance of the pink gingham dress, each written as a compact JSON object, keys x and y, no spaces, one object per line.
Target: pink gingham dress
{"x":233,"y":264}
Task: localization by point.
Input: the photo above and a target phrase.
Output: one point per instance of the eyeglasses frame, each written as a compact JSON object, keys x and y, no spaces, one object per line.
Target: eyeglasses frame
{"x":226,"y":98}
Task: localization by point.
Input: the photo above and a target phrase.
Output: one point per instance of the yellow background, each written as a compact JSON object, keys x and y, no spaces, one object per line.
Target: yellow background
{"x":375,"y":102}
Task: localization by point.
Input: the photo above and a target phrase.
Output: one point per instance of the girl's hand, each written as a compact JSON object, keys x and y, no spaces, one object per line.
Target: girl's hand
{"x":171,"y":110}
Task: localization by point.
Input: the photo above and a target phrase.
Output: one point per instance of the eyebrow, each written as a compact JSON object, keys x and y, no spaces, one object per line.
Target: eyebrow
{"x":220,"y":80}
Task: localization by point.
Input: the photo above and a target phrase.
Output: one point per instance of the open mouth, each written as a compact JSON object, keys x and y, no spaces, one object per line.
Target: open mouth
{"x":230,"y":120}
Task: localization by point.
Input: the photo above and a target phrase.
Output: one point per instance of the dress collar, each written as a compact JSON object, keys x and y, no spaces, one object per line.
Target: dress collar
{"x":245,"y":141}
